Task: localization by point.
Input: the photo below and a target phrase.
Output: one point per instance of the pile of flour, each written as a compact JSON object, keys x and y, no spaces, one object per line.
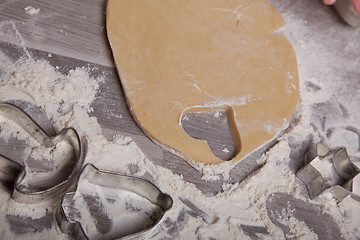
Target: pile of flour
{"x":220,"y":215}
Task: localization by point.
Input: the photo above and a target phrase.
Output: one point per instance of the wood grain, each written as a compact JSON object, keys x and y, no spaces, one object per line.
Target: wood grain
{"x":70,"y":28}
{"x":74,"y":32}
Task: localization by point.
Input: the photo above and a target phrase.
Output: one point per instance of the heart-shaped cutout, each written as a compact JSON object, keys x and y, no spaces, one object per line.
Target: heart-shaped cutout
{"x":172,"y":55}
{"x":216,"y":127}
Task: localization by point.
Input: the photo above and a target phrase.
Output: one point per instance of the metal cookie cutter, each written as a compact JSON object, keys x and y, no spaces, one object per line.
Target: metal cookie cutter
{"x":108,"y":205}
{"x":63,"y":175}
{"x":331,"y":169}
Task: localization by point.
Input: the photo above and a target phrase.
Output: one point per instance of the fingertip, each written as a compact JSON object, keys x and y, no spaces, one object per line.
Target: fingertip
{"x":356,"y":5}
{"x":329,"y":2}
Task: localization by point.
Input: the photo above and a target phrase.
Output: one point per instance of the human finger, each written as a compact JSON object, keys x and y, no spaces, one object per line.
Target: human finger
{"x":329,"y":2}
{"x":356,"y":5}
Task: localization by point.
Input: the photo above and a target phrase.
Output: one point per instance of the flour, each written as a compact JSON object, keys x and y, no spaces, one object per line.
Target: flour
{"x":298,"y":229}
{"x":58,"y":95}
{"x":225,"y":150}
{"x":60,"y":150}
{"x":327,"y":101}
{"x":31,"y":10}
{"x":350,"y":208}
{"x":221,"y":216}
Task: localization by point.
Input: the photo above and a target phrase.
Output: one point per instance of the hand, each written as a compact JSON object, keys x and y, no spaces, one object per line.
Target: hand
{"x":355,"y":3}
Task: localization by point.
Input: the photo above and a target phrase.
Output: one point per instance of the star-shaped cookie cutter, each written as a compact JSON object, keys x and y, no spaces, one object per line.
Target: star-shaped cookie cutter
{"x":16,"y":172}
{"x":330,"y":170}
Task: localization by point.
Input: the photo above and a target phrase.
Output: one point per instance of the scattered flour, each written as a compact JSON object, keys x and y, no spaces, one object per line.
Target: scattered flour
{"x":225,"y":150}
{"x":221,"y":216}
{"x":31,"y":10}
{"x":57,"y":95}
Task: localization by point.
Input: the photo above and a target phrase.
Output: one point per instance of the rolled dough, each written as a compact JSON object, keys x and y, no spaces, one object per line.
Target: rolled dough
{"x":179,"y":56}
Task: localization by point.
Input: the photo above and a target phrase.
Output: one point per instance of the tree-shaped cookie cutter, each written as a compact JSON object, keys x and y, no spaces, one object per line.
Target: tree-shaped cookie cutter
{"x":113,"y":181}
{"x":330,"y":170}
{"x":15,"y":172}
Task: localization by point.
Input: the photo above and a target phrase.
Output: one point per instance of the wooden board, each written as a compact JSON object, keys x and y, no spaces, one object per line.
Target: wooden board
{"x":73,"y":31}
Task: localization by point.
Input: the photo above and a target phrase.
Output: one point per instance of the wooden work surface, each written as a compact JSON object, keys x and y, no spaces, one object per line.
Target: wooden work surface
{"x":74,"y":33}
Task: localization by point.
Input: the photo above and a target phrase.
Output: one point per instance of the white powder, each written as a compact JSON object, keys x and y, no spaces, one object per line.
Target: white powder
{"x":31,"y":10}
{"x":351,"y":209}
{"x":298,"y":229}
{"x":219,"y":216}
{"x":225,"y":150}
{"x":61,"y":150}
